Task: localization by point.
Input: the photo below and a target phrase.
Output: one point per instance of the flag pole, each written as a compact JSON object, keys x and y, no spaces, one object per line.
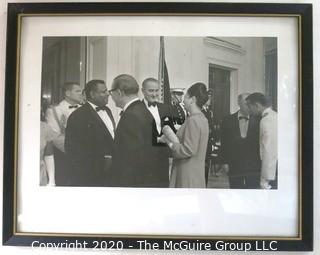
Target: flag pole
{"x":163,"y":76}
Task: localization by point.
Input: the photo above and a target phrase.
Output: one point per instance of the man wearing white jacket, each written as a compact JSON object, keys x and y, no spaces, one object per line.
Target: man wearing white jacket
{"x":259,"y":105}
{"x":56,"y":117}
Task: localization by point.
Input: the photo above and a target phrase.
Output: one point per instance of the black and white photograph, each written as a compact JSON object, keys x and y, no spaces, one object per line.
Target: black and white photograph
{"x":158,"y":126}
{"x":159,"y":112}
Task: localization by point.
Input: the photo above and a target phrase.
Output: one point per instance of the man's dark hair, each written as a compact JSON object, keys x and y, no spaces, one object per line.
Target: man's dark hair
{"x":91,"y":86}
{"x":258,"y":98}
{"x":149,"y":80}
{"x":68,"y":86}
{"x":126,"y":83}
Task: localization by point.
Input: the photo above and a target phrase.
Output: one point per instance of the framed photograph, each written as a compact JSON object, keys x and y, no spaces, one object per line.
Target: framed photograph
{"x":159,"y":126}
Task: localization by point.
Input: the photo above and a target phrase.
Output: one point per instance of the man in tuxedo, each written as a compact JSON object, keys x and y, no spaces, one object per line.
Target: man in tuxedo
{"x":240,"y":147}
{"x":89,"y":138}
{"x":57,"y":116}
{"x":259,"y":105}
{"x":161,"y":117}
{"x":136,"y":156}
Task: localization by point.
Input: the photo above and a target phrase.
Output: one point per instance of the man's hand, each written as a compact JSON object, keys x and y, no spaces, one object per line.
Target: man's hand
{"x":177,"y":126}
{"x":264,"y":184}
{"x":162,"y":139}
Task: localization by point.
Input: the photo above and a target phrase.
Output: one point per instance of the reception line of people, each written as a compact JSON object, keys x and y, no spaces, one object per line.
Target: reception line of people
{"x":135,"y":153}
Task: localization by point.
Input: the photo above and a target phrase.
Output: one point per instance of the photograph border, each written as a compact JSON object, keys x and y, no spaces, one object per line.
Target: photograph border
{"x":303,"y":12}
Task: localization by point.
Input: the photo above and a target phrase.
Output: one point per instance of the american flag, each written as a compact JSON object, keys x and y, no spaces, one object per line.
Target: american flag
{"x":163,"y":76}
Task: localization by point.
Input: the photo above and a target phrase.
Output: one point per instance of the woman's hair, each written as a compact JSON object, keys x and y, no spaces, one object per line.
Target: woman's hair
{"x":199,"y":91}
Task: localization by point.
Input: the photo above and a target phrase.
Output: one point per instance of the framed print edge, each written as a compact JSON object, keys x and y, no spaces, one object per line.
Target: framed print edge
{"x":11,"y":79}
{"x":304,"y":242}
{"x":306,"y":56}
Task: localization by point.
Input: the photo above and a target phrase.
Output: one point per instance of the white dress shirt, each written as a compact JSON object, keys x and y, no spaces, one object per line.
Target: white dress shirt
{"x":243,"y":124}
{"x":105,"y":118}
{"x":155,"y":113}
{"x":268,"y":144}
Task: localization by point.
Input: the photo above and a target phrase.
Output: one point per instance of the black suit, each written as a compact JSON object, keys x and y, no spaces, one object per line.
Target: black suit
{"x":137,"y":160}
{"x":241,"y":154}
{"x":87,"y":142}
{"x":166,"y":119}
{"x":161,"y":160}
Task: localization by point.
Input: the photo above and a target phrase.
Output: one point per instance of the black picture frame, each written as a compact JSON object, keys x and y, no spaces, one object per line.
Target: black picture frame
{"x":304,"y":242}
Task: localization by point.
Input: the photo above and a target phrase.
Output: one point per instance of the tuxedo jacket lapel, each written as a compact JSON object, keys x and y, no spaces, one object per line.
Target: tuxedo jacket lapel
{"x":111,"y":118}
{"x":99,"y":121}
{"x":162,"y":113}
{"x":154,"y":126}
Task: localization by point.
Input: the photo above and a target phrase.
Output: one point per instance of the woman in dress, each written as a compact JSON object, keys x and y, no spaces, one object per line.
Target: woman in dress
{"x":189,"y":145}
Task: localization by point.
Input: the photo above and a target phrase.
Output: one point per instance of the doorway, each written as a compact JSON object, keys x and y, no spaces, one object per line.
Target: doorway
{"x":219,"y":82}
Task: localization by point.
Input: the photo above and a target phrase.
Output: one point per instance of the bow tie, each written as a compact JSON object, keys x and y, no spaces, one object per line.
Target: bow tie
{"x":243,"y":118}
{"x":73,"y":106}
{"x":101,"y":108}
{"x":152,"y":104}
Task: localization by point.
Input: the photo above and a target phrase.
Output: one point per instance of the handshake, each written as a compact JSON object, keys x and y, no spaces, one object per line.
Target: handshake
{"x":168,"y":136}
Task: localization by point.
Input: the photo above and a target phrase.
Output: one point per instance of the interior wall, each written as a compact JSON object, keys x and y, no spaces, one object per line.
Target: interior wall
{"x":187,"y":61}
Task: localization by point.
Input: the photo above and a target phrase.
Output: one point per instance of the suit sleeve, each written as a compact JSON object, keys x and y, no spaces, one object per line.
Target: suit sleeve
{"x":128,"y":160}
{"x":189,"y":144}
{"x":133,"y":135}
{"x":73,"y":139}
{"x":77,"y":151}
{"x":224,"y":155}
{"x":268,"y":148}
